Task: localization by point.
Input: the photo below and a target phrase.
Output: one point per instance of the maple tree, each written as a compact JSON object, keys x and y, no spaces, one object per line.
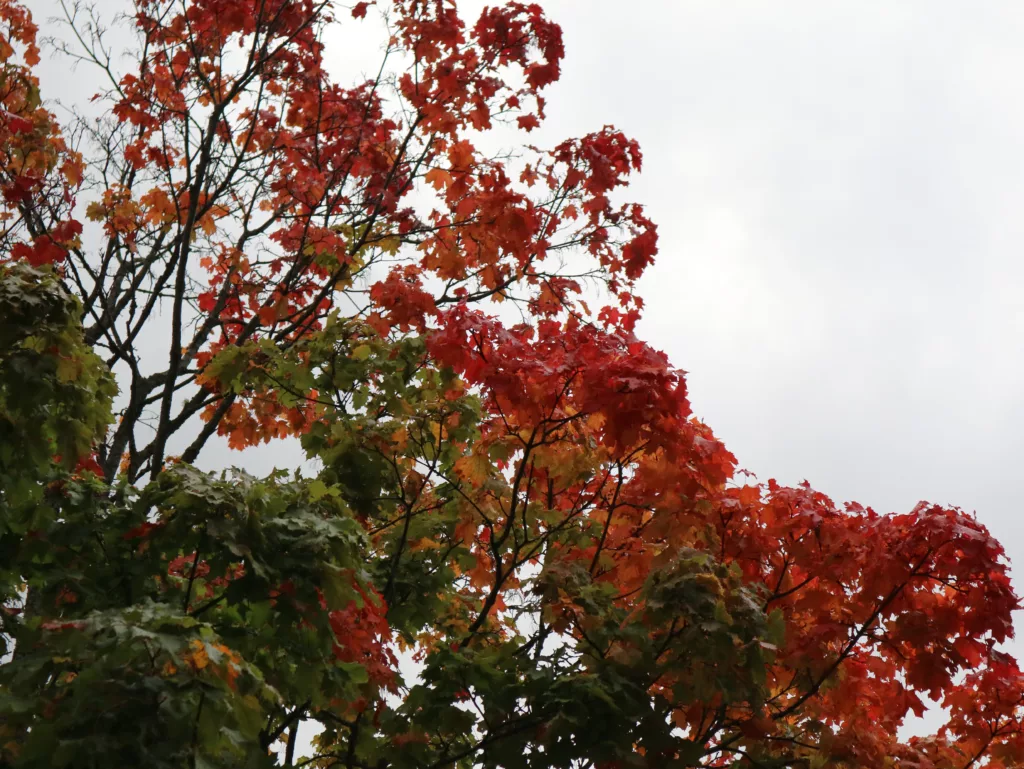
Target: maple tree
{"x":526,"y":513}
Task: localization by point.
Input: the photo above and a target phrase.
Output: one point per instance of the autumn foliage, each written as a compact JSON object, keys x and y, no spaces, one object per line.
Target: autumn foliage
{"x":519,"y":548}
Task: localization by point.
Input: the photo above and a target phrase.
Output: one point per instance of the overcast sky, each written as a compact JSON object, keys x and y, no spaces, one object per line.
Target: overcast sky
{"x":840,"y":193}
{"x":839,"y":188}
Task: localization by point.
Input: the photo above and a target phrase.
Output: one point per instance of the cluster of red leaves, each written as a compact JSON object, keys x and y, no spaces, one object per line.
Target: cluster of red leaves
{"x":190,"y":567}
{"x":461,"y":82}
{"x":39,"y":174}
{"x":338,"y":167}
{"x":878,"y":610}
{"x":882,"y":608}
{"x":250,"y":421}
{"x":559,"y":373}
{"x":364,"y":636}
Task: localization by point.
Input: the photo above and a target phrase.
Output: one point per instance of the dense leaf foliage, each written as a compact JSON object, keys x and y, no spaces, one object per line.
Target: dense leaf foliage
{"x":518,"y":547}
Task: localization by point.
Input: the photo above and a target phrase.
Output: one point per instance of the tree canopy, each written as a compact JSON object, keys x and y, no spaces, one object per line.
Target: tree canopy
{"x":518,"y":547}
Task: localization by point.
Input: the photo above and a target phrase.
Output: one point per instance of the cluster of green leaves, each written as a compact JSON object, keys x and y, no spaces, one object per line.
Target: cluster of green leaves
{"x":176,"y":621}
{"x":55,"y":392}
{"x":157,"y":624}
{"x":563,"y":704}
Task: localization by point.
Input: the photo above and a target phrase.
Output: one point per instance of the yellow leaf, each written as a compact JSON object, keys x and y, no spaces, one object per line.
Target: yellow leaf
{"x":96,"y":211}
{"x":439,"y":178}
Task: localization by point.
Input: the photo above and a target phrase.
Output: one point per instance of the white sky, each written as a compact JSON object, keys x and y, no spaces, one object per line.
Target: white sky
{"x":839,"y":189}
